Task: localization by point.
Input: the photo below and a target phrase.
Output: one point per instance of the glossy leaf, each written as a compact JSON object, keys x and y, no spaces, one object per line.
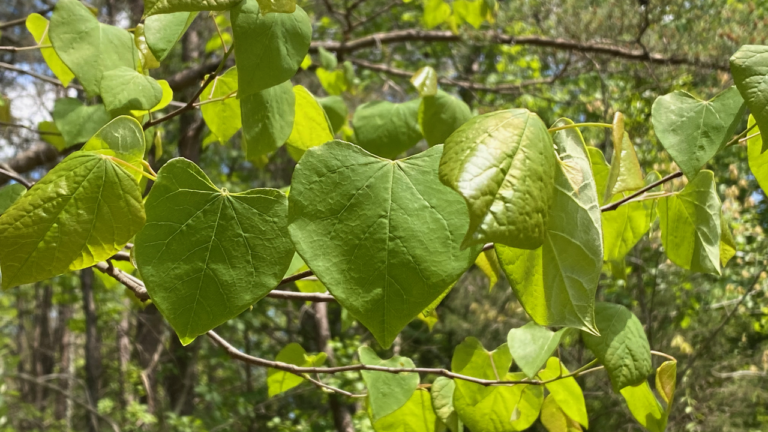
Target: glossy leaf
{"x":87,"y":47}
{"x":565,"y":391}
{"x":9,"y":195}
{"x":425,"y":81}
{"x":441,"y":115}
{"x":625,"y":174}
{"x":222,"y":117}
{"x":39,"y":26}
{"x":554,"y":419}
{"x":267,"y":118}
{"x":644,"y":407}
{"x":690,"y":225}
{"x":279,"y":381}
{"x":531,"y":345}
{"x":758,"y":159}
{"x":621,"y":347}
{"x":387,"y":129}
{"x":749,"y":67}
{"x":693,"y":130}
{"x":311,"y":126}
{"x":417,"y":415}
{"x":123,"y":89}
{"x":442,"y":401}
{"x":336,"y":110}
{"x":154,"y":7}
{"x":387,"y":392}
{"x":161,"y":32}
{"x":67,"y":220}
{"x":271,"y":46}
{"x":556,"y":284}
{"x":503,"y":165}
{"x":77,"y":122}
{"x":369,"y":219}
{"x":207,"y":254}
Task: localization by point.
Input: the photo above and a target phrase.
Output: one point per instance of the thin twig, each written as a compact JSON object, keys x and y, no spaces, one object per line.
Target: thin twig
{"x":13,"y":175}
{"x":47,"y":79}
{"x":21,"y":21}
{"x":614,"y":205}
{"x":24,"y":48}
{"x":37,"y":131}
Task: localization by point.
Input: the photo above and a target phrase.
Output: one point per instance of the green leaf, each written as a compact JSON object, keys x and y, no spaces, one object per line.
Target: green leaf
{"x":270,"y":48}
{"x":88,"y":47}
{"x":727,"y":243}
{"x":371,"y":220}
{"x":489,"y":264}
{"x":166,"y":99}
{"x":123,"y":89}
{"x":442,"y":401}
{"x":556,"y":284}
{"x":9,"y":195}
{"x":416,"y":415}
{"x":554,"y":419}
{"x":600,"y":170}
{"x":267,"y":118}
{"x":207,"y":254}
{"x":625,"y":173}
{"x":148,"y":60}
{"x":334,"y":82}
{"x":387,"y":129}
{"x":77,"y":122}
{"x":441,"y":115}
{"x":163,"y":31}
{"x":504,"y":409}
{"x":470,"y":358}
{"x":336,"y":110}
{"x":222,"y":117}
{"x":425,"y":81}
{"x":387,"y":392}
{"x":693,"y":130}
{"x":758,"y":159}
{"x":155,"y":7}
{"x":645,"y":407}
{"x":279,"y":381}
{"x":666,"y":381}
{"x":531,"y":345}
{"x":68,"y":221}
{"x":311,"y":126}
{"x":38,"y":26}
{"x":625,"y":226}
{"x":503,"y":165}
{"x":565,"y":391}
{"x":57,"y":141}
{"x":327,"y":59}
{"x":621,"y":347}
{"x":436,"y":12}
{"x":690,"y":225}
{"x":749,"y":67}
{"x":279,"y":6}
{"x":470,"y":11}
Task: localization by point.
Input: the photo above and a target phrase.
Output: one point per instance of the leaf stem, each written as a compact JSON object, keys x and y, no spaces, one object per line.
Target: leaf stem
{"x":148,"y":167}
{"x":738,"y":137}
{"x":131,"y":166}
{"x":578,"y":125}
{"x":218,"y":99}
{"x":747,"y":138}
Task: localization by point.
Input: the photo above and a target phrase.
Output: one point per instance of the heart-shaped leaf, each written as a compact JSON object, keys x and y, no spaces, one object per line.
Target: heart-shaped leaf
{"x":38,"y":26}
{"x":556,"y":284}
{"x":387,"y":392}
{"x":566,"y":391}
{"x":154,"y":7}
{"x":88,"y":47}
{"x":82,"y":212}
{"x":441,"y":115}
{"x":270,"y":48}
{"x":425,"y":81}
{"x":352,"y":221}
{"x":531,"y":345}
{"x":123,"y":89}
{"x":470,"y":358}
{"x":417,"y":415}
{"x":645,"y":408}
{"x":693,"y":130}
{"x":267,"y":119}
{"x":690,"y":225}
{"x":503,"y":165}
{"x":207,"y":254}
{"x":554,"y":419}
{"x":387,"y":129}
{"x":622,"y":346}
{"x":625,"y":173}
{"x":749,"y":67}
{"x":77,"y":122}
{"x":279,"y":381}
{"x":442,"y":401}
{"x":311,"y":126}
{"x":222,"y":117}
{"x":163,"y":31}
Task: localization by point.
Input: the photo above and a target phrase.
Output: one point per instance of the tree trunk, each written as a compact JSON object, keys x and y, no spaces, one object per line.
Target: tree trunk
{"x":42,"y":357}
{"x":341,"y":416}
{"x":149,"y":332}
{"x":93,"y":365}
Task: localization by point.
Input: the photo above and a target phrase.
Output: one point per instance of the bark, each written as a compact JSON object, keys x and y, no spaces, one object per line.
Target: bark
{"x":64,"y":338}
{"x":124,"y":354}
{"x":93,"y":366}
{"x":42,"y":355}
{"x":149,"y":332}
{"x":341,"y":415}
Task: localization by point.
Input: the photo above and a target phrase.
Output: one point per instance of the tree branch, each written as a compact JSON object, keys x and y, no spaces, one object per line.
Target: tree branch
{"x":20,"y":21}
{"x":614,"y":205}
{"x":20,"y":126}
{"x":13,"y":175}
{"x":47,"y":79}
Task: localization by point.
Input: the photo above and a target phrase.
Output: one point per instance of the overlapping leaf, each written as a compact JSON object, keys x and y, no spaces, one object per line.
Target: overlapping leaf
{"x":565,"y":391}
{"x":82,"y":212}
{"x":417,"y":415}
{"x":387,"y":392}
{"x":442,"y":401}
{"x":222,"y":117}
{"x":336,"y":110}
{"x":123,"y":89}
{"x":9,"y":195}
{"x":207,"y":254}
{"x":279,"y":381}
{"x":77,"y":122}
{"x":531,"y":345}
{"x":554,"y":419}
{"x":503,"y":165}
{"x":161,"y":32}
{"x":749,"y":67}
{"x":311,"y":126}
{"x":757,"y":158}
{"x":387,"y":129}
{"x":352,"y":220}
{"x":38,"y":26}
{"x":267,"y":118}
{"x":625,"y":173}
{"x":440,"y":115}
{"x":154,"y":7}
{"x":425,"y":81}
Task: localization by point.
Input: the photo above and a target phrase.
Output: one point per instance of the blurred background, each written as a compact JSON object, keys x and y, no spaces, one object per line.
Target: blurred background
{"x":80,"y":353}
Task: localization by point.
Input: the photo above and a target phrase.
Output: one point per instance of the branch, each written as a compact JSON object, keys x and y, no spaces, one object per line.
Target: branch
{"x":37,"y":131}
{"x":614,"y":205}
{"x":13,"y":175}
{"x":20,"y":21}
{"x":47,"y":79}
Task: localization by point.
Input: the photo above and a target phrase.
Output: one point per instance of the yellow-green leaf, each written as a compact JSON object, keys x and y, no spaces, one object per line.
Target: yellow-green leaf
{"x":311,"y":126}
{"x":38,"y":26}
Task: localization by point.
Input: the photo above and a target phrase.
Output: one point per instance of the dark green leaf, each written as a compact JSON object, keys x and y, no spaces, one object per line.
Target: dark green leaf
{"x":77,"y":122}
{"x":267,"y":118}
{"x":441,"y":115}
{"x":163,"y":31}
{"x":9,"y":195}
{"x":387,"y":129}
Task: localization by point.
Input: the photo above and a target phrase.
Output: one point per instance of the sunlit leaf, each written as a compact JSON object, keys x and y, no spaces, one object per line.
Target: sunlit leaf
{"x":442,"y":401}
{"x":387,"y":392}
{"x":222,"y":117}
{"x":554,"y":419}
{"x":644,"y":406}
{"x":425,"y":81}
{"x":565,"y":391}
{"x":488,"y":262}
{"x":123,"y":89}
{"x":417,"y":415}
{"x":749,"y":66}
{"x":279,"y":381}
{"x":39,"y":26}
{"x":279,"y":6}
{"x":154,"y":7}
{"x":531,"y":345}
{"x":311,"y":126}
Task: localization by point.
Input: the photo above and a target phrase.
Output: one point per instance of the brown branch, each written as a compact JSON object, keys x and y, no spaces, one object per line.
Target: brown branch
{"x":21,"y":21}
{"x":614,"y":205}
{"x":13,"y":175}
{"x":374,"y":15}
{"x":47,"y":79}
{"x":20,"y":126}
